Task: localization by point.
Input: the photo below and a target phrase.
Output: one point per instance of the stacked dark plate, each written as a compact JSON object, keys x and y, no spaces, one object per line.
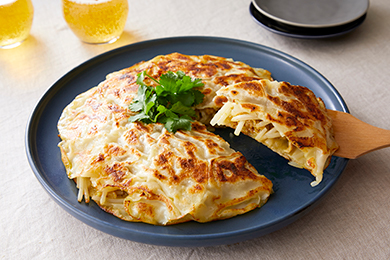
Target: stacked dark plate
{"x":309,"y":18}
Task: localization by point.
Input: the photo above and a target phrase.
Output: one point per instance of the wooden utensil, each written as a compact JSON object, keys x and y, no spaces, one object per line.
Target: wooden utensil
{"x":356,"y":137}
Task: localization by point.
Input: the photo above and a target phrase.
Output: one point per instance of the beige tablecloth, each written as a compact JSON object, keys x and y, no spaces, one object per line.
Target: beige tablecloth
{"x":352,"y":222}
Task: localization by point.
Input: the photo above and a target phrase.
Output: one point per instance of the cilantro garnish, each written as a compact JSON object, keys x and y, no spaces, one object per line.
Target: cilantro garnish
{"x":171,"y":102}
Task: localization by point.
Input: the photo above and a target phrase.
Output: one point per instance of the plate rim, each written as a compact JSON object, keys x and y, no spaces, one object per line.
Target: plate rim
{"x":145,"y":236}
{"x":306,"y":25}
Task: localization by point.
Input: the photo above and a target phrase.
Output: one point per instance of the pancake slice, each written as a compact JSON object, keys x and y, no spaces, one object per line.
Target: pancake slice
{"x":288,"y":119}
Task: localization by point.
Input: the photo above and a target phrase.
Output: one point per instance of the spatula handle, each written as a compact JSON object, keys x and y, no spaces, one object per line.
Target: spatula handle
{"x":356,"y":137}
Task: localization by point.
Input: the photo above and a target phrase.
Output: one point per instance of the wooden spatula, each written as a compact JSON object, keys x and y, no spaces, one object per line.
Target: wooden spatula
{"x":356,"y":137}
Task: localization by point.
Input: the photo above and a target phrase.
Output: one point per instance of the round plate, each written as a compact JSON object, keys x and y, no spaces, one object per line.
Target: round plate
{"x":293,"y":195}
{"x":300,"y":32}
{"x":312,"y":13}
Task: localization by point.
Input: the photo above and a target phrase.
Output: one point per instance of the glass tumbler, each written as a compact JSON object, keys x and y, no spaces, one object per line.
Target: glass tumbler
{"x":96,"y":21}
{"x":16,"y":17}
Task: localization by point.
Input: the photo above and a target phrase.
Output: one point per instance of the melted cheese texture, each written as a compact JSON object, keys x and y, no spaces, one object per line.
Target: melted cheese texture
{"x":144,"y":173}
{"x":288,"y":119}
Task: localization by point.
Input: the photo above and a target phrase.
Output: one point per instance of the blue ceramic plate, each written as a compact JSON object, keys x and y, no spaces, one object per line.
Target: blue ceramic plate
{"x":293,"y":195}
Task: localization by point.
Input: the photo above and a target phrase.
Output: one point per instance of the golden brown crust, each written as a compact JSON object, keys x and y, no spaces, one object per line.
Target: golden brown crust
{"x":142,"y":172}
{"x":299,"y":112}
{"x":297,"y":122}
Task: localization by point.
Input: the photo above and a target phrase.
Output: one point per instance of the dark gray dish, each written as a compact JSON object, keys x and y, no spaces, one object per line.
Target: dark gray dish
{"x":303,"y":32}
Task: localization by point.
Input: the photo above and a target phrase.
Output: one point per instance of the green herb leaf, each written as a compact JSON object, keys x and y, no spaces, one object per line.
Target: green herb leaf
{"x":140,"y":79}
{"x":161,"y":110}
{"x":139,"y":117}
{"x":138,"y":102}
{"x":171,"y":102}
{"x":168,"y":82}
{"x":173,"y":124}
{"x":181,"y":109}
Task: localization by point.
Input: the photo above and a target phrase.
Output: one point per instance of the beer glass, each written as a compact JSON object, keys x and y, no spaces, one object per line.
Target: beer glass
{"x":96,"y":21}
{"x":16,"y":18}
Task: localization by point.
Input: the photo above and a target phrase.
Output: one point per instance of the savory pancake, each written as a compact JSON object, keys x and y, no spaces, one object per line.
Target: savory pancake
{"x":288,"y":119}
{"x":142,"y":172}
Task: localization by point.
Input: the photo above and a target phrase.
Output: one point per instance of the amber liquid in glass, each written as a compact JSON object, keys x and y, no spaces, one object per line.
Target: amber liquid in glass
{"x":16,"y":17}
{"x":96,"y":21}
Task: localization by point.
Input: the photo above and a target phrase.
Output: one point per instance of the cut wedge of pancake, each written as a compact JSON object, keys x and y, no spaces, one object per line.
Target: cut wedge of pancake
{"x":288,"y":119}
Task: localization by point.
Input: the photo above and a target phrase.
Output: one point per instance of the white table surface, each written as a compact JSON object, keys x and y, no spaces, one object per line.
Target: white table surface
{"x":352,"y":222}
